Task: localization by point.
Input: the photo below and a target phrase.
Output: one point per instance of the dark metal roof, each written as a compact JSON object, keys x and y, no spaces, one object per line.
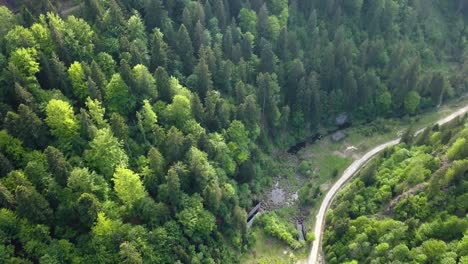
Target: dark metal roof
{"x":339,"y":135}
{"x":341,"y":119}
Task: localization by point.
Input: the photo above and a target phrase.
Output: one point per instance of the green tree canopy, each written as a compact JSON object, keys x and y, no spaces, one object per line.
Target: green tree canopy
{"x":128,"y":186}
{"x":118,"y":97}
{"x":78,"y":81}
{"x":412,"y":101}
{"x":61,"y":120}
{"x":105,"y":153}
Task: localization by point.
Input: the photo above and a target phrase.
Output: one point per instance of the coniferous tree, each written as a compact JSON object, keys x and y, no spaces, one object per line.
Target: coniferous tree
{"x":159,"y":50}
{"x":58,"y":165}
{"x":127,"y":122}
{"x":154,"y":13}
{"x":262,"y":23}
{"x":163,"y":84}
{"x":268,"y":90}
{"x":27,"y":126}
{"x":204,"y":81}
{"x":185,"y":49}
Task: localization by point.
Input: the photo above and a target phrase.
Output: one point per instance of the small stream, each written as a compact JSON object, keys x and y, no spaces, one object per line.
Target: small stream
{"x":278,"y":194}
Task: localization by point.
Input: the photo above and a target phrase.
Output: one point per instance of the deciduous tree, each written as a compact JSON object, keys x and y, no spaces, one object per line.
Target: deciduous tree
{"x":128,"y":186}
{"x":105,"y":153}
{"x":61,"y":120}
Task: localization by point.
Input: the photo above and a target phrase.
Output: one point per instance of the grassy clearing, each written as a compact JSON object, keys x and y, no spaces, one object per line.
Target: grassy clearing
{"x":268,"y":250}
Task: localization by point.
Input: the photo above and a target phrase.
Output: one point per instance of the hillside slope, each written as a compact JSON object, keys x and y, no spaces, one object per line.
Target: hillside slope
{"x":141,"y":130}
{"x":381,"y":216}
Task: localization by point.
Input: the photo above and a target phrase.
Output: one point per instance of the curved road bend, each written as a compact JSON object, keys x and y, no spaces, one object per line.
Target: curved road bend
{"x":347,"y":175}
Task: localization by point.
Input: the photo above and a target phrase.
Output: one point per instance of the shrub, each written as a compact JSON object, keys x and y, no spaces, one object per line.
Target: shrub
{"x":458,"y":150}
{"x":334,"y":173}
{"x":304,"y":167}
{"x":276,"y":228}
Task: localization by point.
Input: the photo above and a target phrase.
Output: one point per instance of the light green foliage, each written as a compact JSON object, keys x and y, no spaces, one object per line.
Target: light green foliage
{"x":274,"y":27}
{"x":129,"y":254}
{"x":435,"y":138}
{"x":222,"y":153}
{"x":179,"y":112}
{"x":456,"y":171}
{"x":248,"y":20}
{"x":88,"y":87}
{"x":414,"y":205}
{"x":10,"y":146}
{"x":23,"y":62}
{"x":78,"y":81}
{"x":96,"y":111}
{"x":8,"y":223}
{"x":61,"y":120}
{"x":147,"y":117}
{"x":283,"y":18}
{"x":459,"y":150}
{"x":433,"y":249}
{"x":7,"y":21}
{"x":105,"y":153}
{"x":194,"y":130}
{"x":423,"y":225}
{"x":135,"y":28}
{"x":462,"y":247}
{"x":43,"y":37}
{"x":76,"y":34}
{"x":106,"y":227}
{"x":20,"y":37}
{"x":239,"y":142}
{"x":178,"y":89}
{"x":206,"y":178}
{"x":81,"y":180}
{"x":196,"y":221}
{"x":128,"y":186}
{"x":276,"y":228}
{"x":200,"y":167}
{"x":304,"y":167}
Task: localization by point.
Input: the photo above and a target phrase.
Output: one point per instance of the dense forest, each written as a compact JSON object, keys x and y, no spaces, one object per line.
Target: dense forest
{"x":138,"y":131}
{"x":407,"y":206}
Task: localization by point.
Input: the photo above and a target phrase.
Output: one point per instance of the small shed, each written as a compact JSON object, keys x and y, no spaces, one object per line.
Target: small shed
{"x":341,"y":119}
{"x":338,"y":136}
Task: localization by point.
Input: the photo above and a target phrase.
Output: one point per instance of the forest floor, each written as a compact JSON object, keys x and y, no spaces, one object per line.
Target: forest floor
{"x":325,"y":159}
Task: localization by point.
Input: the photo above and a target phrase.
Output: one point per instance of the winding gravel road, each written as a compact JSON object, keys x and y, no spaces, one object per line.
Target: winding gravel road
{"x":347,"y":175}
